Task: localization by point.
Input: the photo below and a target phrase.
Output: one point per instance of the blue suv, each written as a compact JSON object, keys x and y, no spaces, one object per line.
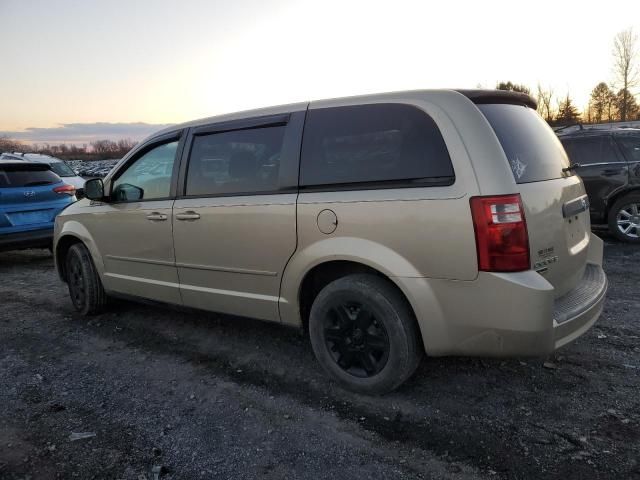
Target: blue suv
{"x":31,"y":195}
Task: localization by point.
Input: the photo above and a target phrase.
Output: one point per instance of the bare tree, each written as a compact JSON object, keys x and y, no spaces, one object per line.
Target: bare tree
{"x":624,"y":66}
{"x":544,"y":103}
{"x":9,"y":145}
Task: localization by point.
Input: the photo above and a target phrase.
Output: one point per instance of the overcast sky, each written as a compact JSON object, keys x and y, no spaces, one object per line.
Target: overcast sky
{"x":71,"y":62}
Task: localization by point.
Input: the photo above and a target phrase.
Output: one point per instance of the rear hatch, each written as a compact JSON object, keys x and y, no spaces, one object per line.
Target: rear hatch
{"x":555,"y":202}
{"x":27,"y":196}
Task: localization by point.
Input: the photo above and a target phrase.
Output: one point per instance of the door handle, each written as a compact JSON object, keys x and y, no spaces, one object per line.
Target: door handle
{"x":156,"y":217}
{"x":189,"y":215}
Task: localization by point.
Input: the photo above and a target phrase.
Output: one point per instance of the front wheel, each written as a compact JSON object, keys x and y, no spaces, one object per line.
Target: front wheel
{"x":624,"y":218}
{"x":85,"y":288}
{"x":364,"y":334}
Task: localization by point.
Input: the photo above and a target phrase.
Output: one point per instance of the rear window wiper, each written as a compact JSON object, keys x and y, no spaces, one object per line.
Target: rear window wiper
{"x":571,"y":167}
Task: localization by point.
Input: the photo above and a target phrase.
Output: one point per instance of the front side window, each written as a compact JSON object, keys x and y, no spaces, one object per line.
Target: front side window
{"x":383,"y":143}
{"x":240,"y":161}
{"x":631,"y":147}
{"x":590,"y":150}
{"x":148,"y":177}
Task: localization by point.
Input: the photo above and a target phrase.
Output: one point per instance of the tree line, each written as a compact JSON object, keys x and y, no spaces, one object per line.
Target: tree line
{"x":97,"y":150}
{"x":608,"y":102}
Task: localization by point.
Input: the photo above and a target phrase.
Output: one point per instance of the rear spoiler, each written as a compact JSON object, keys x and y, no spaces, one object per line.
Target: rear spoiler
{"x":499,"y":96}
{"x":22,"y":166}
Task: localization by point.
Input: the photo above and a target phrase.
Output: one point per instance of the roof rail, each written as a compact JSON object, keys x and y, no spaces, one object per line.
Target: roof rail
{"x":579,"y":125}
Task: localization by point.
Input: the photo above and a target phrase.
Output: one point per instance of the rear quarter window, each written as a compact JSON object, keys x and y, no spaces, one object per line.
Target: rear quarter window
{"x":534,"y":152}
{"x":384,"y":144}
{"x":631,"y":147}
{"x":15,"y":177}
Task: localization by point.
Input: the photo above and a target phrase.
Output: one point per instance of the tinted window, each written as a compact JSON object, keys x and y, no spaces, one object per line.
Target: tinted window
{"x":532,"y":149}
{"x":242,"y":161}
{"x":631,"y":147}
{"x":148,"y":177}
{"x":12,"y":176}
{"x":590,"y":150}
{"x":373,"y":143}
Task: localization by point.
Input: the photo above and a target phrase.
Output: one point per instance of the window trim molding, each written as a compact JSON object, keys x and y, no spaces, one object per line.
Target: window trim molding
{"x":379,"y":185}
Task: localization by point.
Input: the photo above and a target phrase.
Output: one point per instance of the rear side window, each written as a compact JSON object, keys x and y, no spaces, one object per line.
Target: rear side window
{"x":631,"y":147}
{"x":241,"y":161}
{"x":383,"y":143}
{"x":62,"y":169}
{"x":586,"y":151}
{"x":20,"y":176}
{"x":532,"y":149}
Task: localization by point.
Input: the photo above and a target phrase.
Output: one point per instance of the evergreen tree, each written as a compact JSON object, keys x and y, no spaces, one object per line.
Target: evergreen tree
{"x":513,"y":87}
{"x":567,"y":112}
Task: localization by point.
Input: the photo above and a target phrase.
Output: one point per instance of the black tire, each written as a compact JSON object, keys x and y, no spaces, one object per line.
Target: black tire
{"x":364,"y":334}
{"x":85,"y":288}
{"x":629,"y":204}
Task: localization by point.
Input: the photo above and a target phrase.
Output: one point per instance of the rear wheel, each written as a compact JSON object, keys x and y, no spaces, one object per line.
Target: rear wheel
{"x":624,"y":218}
{"x":85,"y":288}
{"x":364,"y":334}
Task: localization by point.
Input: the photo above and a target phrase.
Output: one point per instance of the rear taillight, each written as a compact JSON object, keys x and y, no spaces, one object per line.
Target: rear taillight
{"x":501,"y":233}
{"x":65,"y":190}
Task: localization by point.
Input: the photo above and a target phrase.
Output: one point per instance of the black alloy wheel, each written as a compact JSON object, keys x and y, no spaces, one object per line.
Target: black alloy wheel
{"x":356,"y":340}
{"x":76,"y":281}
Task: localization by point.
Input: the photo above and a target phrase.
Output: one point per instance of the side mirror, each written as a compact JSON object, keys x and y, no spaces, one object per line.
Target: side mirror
{"x":94,"y":189}
{"x":125,"y":192}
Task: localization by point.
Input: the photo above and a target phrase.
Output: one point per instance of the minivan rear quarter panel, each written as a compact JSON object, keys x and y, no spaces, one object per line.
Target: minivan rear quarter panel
{"x":415,"y":232}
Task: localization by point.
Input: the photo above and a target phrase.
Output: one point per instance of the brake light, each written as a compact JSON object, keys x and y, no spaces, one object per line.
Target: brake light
{"x":502,"y":240}
{"x":65,"y":190}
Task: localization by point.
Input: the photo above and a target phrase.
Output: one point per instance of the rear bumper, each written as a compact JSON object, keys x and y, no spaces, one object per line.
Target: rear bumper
{"x":578,"y":310}
{"x":506,"y":315}
{"x":29,"y":239}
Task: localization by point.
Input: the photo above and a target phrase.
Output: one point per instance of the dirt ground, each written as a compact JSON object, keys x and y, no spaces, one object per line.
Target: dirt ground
{"x":183,"y":395}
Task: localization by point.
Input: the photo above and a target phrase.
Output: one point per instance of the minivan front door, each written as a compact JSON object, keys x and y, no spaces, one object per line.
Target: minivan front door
{"x":234,"y":228}
{"x":133,"y":230}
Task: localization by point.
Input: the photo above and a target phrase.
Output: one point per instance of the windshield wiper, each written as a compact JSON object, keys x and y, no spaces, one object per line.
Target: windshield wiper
{"x":573,"y":166}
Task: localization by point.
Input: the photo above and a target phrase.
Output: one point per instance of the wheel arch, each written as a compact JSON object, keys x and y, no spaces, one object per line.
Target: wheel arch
{"x":73,"y":232}
{"x":611,"y":201}
{"x":309,"y":271}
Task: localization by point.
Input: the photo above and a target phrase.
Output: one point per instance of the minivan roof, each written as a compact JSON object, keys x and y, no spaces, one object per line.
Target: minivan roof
{"x":477,"y":96}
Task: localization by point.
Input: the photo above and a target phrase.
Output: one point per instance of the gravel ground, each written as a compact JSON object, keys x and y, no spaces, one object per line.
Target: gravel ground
{"x":182,"y":395}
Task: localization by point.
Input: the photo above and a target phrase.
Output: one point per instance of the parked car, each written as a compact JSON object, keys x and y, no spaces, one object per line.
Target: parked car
{"x":31,"y":195}
{"x":442,"y":222}
{"x":59,"y":167}
{"x":608,"y":160}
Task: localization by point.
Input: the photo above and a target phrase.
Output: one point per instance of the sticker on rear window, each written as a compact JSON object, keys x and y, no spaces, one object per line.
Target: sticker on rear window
{"x":517,"y":167}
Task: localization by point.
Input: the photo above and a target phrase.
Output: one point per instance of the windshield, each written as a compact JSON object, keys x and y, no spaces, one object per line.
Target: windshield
{"x":62,"y":169}
{"x":533,"y":150}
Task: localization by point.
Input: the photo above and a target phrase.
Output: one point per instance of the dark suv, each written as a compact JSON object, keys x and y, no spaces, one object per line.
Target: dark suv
{"x":609,"y":165}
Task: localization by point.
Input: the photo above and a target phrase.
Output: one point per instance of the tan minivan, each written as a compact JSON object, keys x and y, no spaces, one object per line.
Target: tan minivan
{"x":445,"y":222}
